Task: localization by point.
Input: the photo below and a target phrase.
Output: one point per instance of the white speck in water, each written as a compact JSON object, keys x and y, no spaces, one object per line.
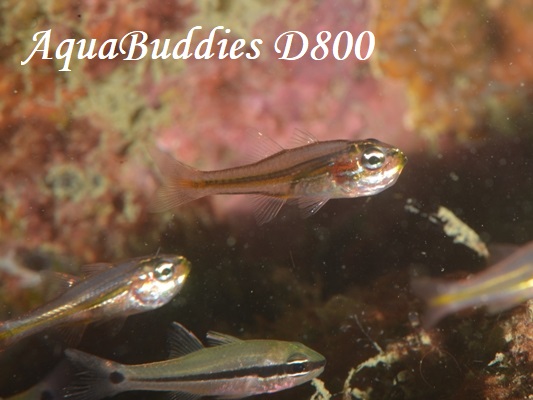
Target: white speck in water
{"x":230,"y":241}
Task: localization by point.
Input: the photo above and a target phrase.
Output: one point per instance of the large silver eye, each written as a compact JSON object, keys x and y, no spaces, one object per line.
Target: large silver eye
{"x":164,"y":272}
{"x":373,"y":158}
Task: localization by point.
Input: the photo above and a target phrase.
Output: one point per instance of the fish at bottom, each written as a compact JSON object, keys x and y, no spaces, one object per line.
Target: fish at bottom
{"x":50,"y":388}
{"x":230,"y":368}
{"x":499,"y":287}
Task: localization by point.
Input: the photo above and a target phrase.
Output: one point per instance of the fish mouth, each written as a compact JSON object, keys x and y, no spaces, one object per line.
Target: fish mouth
{"x":399,"y":156}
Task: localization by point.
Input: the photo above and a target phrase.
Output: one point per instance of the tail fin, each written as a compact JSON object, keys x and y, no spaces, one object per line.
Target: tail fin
{"x":177,"y":178}
{"x":96,"y":377}
{"x":431,"y":290}
{"x":6,"y":335}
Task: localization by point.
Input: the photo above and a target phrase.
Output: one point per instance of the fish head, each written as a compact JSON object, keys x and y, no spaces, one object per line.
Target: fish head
{"x":292,"y":364}
{"x":376,"y":167}
{"x":157,"y":280}
{"x":304,"y":363}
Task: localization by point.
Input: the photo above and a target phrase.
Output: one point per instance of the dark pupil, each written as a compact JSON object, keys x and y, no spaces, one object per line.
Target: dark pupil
{"x":373,"y":159}
{"x":298,"y":367}
{"x":164,"y":272}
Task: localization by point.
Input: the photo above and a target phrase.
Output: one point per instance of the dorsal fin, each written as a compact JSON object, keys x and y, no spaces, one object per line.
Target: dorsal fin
{"x":60,"y":282}
{"x":94,"y":269}
{"x":219,"y":339}
{"x":182,"y":341}
{"x":262,"y":147}
{"x":302,"y":138}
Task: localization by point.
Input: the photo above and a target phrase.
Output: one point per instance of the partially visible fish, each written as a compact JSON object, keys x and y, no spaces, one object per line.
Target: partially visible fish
{"x":310,"y":174}
{"x":51,"y":387}
{"x":500,"y":287}
{"x":109,"y":291}
{"x":231,"y":369}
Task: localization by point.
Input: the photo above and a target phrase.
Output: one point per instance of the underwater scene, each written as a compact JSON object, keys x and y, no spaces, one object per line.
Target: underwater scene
{"x":299,"y":200}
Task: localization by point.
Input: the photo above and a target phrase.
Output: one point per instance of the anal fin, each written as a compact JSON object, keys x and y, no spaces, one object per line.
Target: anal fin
{"x":183,"y":396}
{"x":266,"y":207}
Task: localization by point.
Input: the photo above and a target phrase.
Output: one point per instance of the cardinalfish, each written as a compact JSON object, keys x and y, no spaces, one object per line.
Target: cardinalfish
{"x":310,"y":175}
{"x":109,"y":291}
{"x":500,"y":287}
{"x":231,"y":369}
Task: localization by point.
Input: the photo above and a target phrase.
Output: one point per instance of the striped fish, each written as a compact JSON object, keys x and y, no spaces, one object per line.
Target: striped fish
{"x":310,"y":175}
{"x":501,"y":286}
{"x":231,"y":368}
{"x":109,"y":291}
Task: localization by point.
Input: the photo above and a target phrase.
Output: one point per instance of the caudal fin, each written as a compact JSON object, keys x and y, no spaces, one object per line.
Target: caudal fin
{"x":95,"y":378}
{"x":177,"y":187}
{"x":6,"y":335}
{"x":432,"y":291}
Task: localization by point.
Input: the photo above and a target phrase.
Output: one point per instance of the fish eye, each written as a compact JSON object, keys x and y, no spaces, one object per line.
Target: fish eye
{"x":297,"y":367}
{"x":373,"y":158}
{"x":297,"y":364}
{"x":164,"y":272}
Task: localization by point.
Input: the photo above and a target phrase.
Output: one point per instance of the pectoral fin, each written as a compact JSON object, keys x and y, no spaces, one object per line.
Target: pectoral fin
{"x":71,"y":334}
{"x":111,"y":326}
{"x":310,"y":205}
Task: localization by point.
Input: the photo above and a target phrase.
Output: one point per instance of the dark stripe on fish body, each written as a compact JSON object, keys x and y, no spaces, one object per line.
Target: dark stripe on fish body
{"x":66,"y":311}
{"x":308,"y":168}
{"x":262,"y":372}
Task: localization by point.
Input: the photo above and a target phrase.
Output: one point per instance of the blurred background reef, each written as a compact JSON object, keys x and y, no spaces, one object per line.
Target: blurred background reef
{"x":449,"y":83}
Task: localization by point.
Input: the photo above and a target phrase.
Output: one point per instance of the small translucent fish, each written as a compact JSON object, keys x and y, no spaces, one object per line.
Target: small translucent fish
{"x":230,"y":369}
{"x":501,"y":286}
{"x":109,"y":291}
{"x":310,"y":175}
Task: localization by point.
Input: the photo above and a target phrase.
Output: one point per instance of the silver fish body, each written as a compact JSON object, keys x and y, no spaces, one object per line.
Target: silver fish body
{"x":110,"y":291}
{"x":310,"y":174}
{"x":232,"y":368}
{"x":500,"y":287}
